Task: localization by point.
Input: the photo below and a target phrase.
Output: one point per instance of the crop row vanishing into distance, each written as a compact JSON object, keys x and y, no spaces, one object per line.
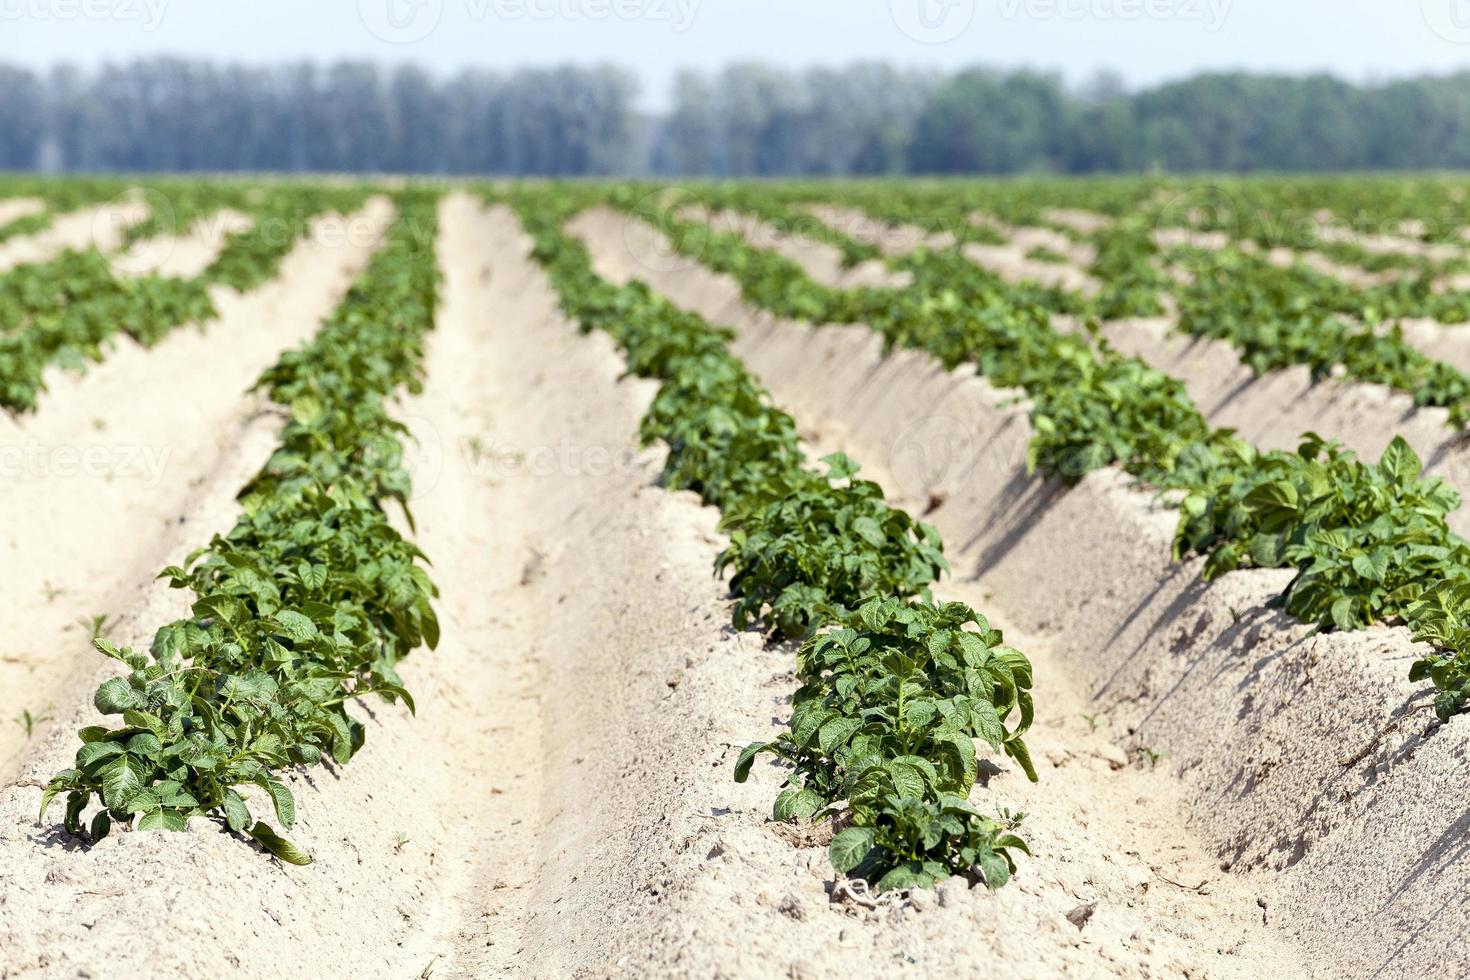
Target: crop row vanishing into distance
{"x":64,"y":310}
{"x":894,"y":687}
{"x":1369,"y":543}
{"x":309,"y":602}
{"x":1275,"y":316}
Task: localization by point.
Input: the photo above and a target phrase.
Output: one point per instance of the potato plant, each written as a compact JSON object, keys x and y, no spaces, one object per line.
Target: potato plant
{"x":307,"y":604}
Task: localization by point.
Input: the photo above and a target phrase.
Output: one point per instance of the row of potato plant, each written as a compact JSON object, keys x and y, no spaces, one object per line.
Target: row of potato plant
{"x":1370,"y":543}
{"x":894,"y":688}
{"x":307,"y":604}
{"x":1275,"y":317}
{"x":57,"y":197}
{"x":63,"y":311}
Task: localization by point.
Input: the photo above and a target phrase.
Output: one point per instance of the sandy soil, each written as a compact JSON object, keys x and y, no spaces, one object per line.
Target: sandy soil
{"x":562,"y":804}
{"x":15,"y":208}
{"x":1278,"y":739}
{"x":1009,"y":261}
{"x":888,"y":239}
{"x":183,"y":256}
{"x":1331,"y":230}
{"x":818,"y":259}
{"x":100,"y":227}
{"x":1272,"y":410}
{"x":1279,"y":256}
{"x":1448,"y":342}
{"x":112,"y":460}
{"x":1077,"y":219}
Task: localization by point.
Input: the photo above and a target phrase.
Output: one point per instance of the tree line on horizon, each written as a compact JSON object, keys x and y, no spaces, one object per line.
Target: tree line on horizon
{"x":746,"y":120}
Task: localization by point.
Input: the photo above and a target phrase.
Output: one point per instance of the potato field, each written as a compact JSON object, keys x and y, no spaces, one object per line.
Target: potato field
{"x":1015,"y":579}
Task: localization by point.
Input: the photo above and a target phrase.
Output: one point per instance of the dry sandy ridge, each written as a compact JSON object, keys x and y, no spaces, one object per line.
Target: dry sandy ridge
{"x":1009,"y":261}
{"x":890,"y":239}
{"x":100,"y":478}
{"x":100,"y":227}
{"x":1308,"y":759}
{"x":15,"y":208}
{"x":1012,"y":262}
{"x":186,"y":255}
{"x":1448,"y":342}
{"x":806,"y":251}
{"x":1284,"y":258}
{"x":1329,"y":228}
{"x":1105,"y":830}
{"x":1085,"y":222}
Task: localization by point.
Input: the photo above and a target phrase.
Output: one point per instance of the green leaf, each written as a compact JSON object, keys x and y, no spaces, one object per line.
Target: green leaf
{"x":92,"y":753}
{"x":237,"y":814}
{"x":1400,"y":463}
{"x":870,"y":531}
{"x":116,"y":696}
{"x":900,"y":878}
{"x":796,"y":805}
{"x":312,"y":576}
{"x":277,"y":845}
{"x":747,"y":758}
{"x":836,"y":732}
{"x":987,"y":722}
{"x":850,"y":846}
{"x":907,"y":781}
{"x":283,"y":801}
{"x":1276,"y":495}
{"x":840,"y":466}
{"x":163,"y":819}
{"x":994,"y":869}
{"x":120,"y":781}
{"x":296,"y":626}
{"x":101,"y":826}
{"x":1371,"y":567}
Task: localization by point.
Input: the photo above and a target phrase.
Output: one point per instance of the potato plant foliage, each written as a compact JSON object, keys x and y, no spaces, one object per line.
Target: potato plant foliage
{"x":308,"y":603}
{"x":886,"y":720}
{"x":895,"y":689}
{"x":1369,"y":543}
{"x":65,"y":311}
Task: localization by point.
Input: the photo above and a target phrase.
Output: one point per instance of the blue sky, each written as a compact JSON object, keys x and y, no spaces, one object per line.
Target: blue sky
{"x":1145,"y":41}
